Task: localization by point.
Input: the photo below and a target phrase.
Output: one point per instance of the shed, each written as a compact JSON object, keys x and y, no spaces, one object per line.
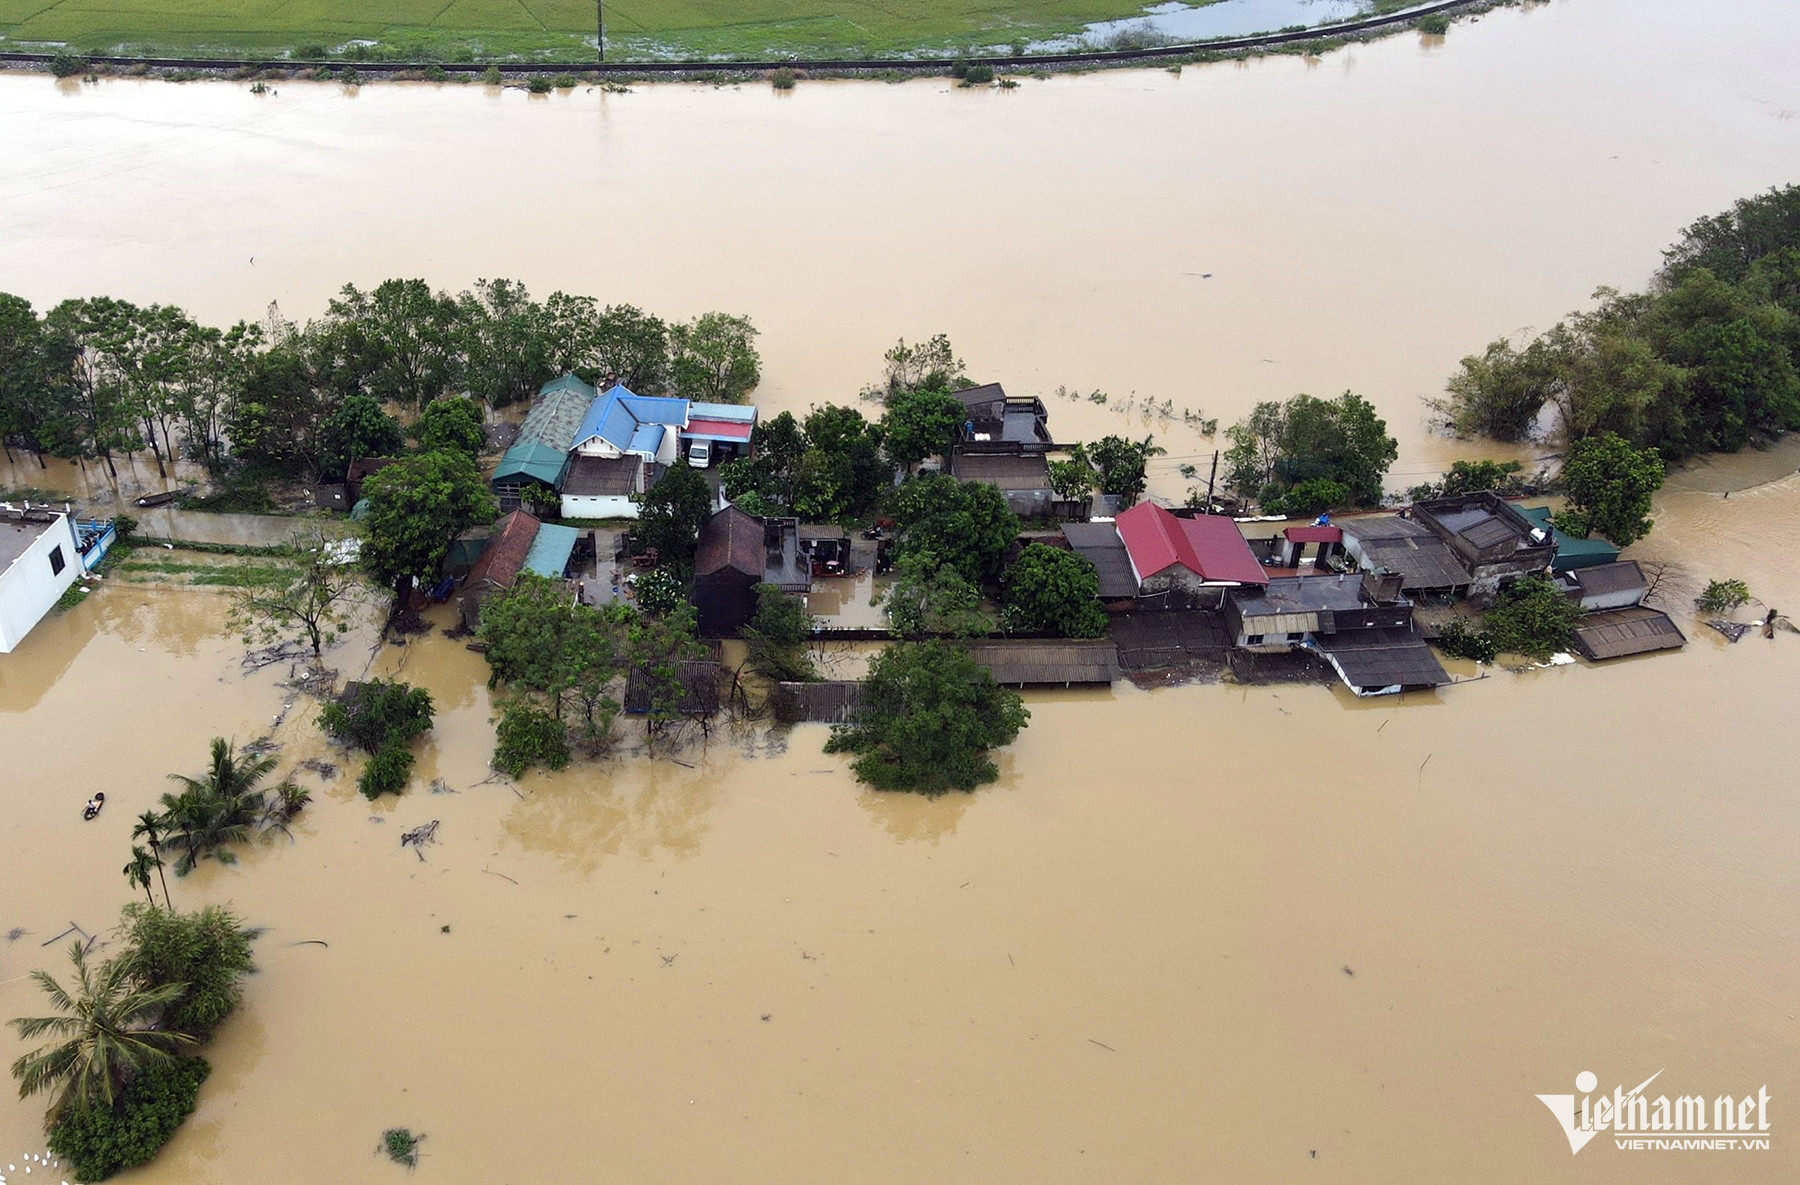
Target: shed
{"x":1025,"y":662}
{"x":699,"y":679}
{"x":1616,"y":633}
{"x":361,"y":469}
{"x":551,"y":549}
{"x":1617,"y":585}
{"x":1100,"y":545}
{"x":736,"y":552}
{"x":1381,"y":661}
{"x":1022,"y":478}
{"x":498,"y":566}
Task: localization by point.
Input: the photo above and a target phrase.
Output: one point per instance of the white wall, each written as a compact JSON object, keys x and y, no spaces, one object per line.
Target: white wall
{"x":598,"y":506}
{"x":28,"y":588}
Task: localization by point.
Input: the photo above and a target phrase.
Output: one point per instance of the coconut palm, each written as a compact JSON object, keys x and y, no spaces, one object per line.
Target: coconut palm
{"x":138,"y":872}
{"x":102,"y":1035}
{"x":214,"y":812}
{"x":149,"y":829}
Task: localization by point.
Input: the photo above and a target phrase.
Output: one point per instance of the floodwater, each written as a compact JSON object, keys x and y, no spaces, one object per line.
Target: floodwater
{"x":1225,"y":18}
{"x":1200,"y":933}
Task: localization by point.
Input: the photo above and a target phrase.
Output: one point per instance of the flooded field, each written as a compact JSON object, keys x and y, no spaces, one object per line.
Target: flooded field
{"x":1201,"y":933}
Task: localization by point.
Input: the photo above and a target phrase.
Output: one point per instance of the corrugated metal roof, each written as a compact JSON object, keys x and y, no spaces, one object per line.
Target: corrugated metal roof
{"x":1313,"y":534}
{"x":550,"y":550}
{"x":708,"y":428}
{"x":591,"y":476}
{"x":700,"y":688}
{"x":1604,"y":579}
{"x":830,"y":701}
{"x":532,"y":460}
{"x":1029,"y":662}
{"x":1368,"y":660}
{"x":1209,"y":545}
{"x":1006,"y":471}
{"x":505,"y":552}
{"x":1616,"y":633}
{"x":1571,"y":553}
{"x":743,"y":413}
{"x":557,"y":414}
{"x":1100,"y":545}
{"x":1423,"y":560}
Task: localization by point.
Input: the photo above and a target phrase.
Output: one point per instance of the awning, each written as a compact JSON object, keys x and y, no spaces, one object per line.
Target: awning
{"x":723,"y":430}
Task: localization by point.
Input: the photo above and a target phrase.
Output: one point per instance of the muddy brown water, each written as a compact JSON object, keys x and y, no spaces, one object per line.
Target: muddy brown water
{"x":1129,"y":960}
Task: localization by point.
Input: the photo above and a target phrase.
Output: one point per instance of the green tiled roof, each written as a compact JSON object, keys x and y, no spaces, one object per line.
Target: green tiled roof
{"x":1571,"y":553}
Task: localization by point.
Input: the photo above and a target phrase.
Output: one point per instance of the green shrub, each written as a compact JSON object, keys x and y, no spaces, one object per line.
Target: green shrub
{"x":538,"y":85}
{"x":977,"y":74}
{"x":101,"y":1141}
{"x":491,"y":76}
{"x":387,"y":772}
{"x":566,"y":82}
{"x":350,"y":77}
{"x":1315,"y":496}
{"x":65,"y":64}
{"x":660,"y":592}
{"x":208,"y":951}
{"x":401,"y":1146}
{"x":369,"y":715}
{"x":436,"y":73}
{"x":1722,"y":596}
{"x":1459,"y":641}
{"x":528,"y":735}
{"x":783,"y":79}
{"x":311,"y":53}
{"x":959,"y":68}
{"x":1532,"y":617}
{"x":1436,"y":24}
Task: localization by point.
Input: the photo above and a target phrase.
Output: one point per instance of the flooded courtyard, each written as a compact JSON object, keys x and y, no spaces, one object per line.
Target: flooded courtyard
{"x":1199,"y":933}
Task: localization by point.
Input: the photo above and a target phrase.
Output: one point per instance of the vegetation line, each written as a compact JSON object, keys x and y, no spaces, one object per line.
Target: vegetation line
{"x":713,"y":65}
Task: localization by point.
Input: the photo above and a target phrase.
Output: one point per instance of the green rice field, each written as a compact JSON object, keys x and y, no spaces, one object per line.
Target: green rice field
{"x":465,"y":30}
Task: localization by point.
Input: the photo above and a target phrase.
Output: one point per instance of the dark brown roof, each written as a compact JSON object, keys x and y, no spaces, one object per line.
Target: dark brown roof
{"x":1616,"y":633}
{"x":592,"y":476}
{"x":830,"y":701}
{"x":1155,"y":639}
{"x":1371,"y":659}
{"x":1007,"y":471}
{"x":505,"y":552}
{"x":730,"y":539}
{"x":988,"y":396}
{"x":700,"y":688}
{"x":1100,"y":545}
{"x":1601,"y":579}
{"x":1423,"y":560}
{"x":1026,"y":662}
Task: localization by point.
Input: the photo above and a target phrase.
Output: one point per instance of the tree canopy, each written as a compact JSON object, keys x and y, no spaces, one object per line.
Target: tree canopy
{"x":929,"y":718}
{"x":826,"y":469}
{"x":1337,"y":448}
{"x":1610,"y":486}
{"x":671,"y":514}
{"x":452,"y":425}
{"x":1050,"y":590}
{"x":965,"y":525}
{"x":417,"y":508}
{"x":713,"y":358}
{"x":920,"y":423}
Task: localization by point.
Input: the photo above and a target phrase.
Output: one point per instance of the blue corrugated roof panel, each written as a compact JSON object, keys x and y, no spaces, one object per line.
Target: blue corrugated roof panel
{"x":647,"y":440}
{"x":656,"y":410}
{"x":550,"y":550}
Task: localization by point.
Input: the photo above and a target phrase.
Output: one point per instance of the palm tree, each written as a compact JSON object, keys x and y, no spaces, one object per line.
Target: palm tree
{"x":138,"y":872}
{"x":102,"y":1036}
{"x":149,"y":828}
{"x":213,"y":812}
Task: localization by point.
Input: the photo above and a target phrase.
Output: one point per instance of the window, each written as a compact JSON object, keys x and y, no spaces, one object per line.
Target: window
{"x":56,"y":560}
{"x":1253,"y":640}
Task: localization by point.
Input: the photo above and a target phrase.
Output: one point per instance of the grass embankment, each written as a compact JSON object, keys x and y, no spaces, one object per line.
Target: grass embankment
{"x":470,"y":30}
{"x":193,"y":568}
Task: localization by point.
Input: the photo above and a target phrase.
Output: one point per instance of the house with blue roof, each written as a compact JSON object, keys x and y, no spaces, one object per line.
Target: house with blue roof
{"x":540,"y":455}
{"x":620,"y":423}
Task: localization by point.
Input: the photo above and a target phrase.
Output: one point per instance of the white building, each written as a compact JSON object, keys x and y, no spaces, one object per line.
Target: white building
{"x":40,"y":557}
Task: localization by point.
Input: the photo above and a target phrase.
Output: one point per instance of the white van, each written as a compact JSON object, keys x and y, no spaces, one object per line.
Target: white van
{"x":700,"y":454}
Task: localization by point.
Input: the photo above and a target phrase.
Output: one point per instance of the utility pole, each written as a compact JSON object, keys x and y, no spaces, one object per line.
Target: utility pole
{"x":1209,"y":481}
{"x":600,"y":28}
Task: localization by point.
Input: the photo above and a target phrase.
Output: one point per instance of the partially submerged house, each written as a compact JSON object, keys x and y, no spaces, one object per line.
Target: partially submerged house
{"x":520,"y":543}
{"x":1422,"y":560}
{"x":697,"y":698}
{"x":1494,"y":543}
{"x":1571,"y":553}
{"x":1022,"y":478}
{"x":540,"y":452}
{"x":1058,"y":662}
{"x":995,"y":418}
{"x":1619,"y":633}
{"x":1186,"y":561}
{"x":736,"y":552}
{"x":40,"y":557}
{"x":1361,"y":624}
{"x":1617,"y":585}
{"x":1290,"y":548}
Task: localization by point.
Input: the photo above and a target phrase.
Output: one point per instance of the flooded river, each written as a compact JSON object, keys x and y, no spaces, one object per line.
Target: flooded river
{"x":1200,"y":933}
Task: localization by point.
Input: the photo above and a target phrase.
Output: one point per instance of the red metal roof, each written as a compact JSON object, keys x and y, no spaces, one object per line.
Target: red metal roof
{"x":505,"y":552}
{"x":1209,"y":545}
{"x":1313,"y":534}
{"x":718,"y":429}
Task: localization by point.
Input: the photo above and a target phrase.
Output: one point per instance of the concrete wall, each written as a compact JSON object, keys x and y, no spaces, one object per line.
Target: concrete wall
{"x":28,"y":588}
{"x":598,"y":506}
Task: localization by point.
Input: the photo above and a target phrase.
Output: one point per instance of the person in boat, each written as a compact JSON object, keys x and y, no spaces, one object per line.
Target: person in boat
{"x":93,"y":805}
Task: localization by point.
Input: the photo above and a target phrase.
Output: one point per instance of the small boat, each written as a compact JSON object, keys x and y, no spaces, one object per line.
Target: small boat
{"x":93,"y":805}
{"x":161,"y":499}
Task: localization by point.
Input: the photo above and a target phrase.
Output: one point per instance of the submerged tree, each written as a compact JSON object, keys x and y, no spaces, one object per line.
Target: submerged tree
{"x":314,"y":599}
{"x":930,"y":715}
{"x":1610,"y":487}
{"x":217,"y":810}
{"x":102,"y":1032}
{"x":417,"y":508}
{"x":713,"y":358}
{"x":1054,"y":591}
